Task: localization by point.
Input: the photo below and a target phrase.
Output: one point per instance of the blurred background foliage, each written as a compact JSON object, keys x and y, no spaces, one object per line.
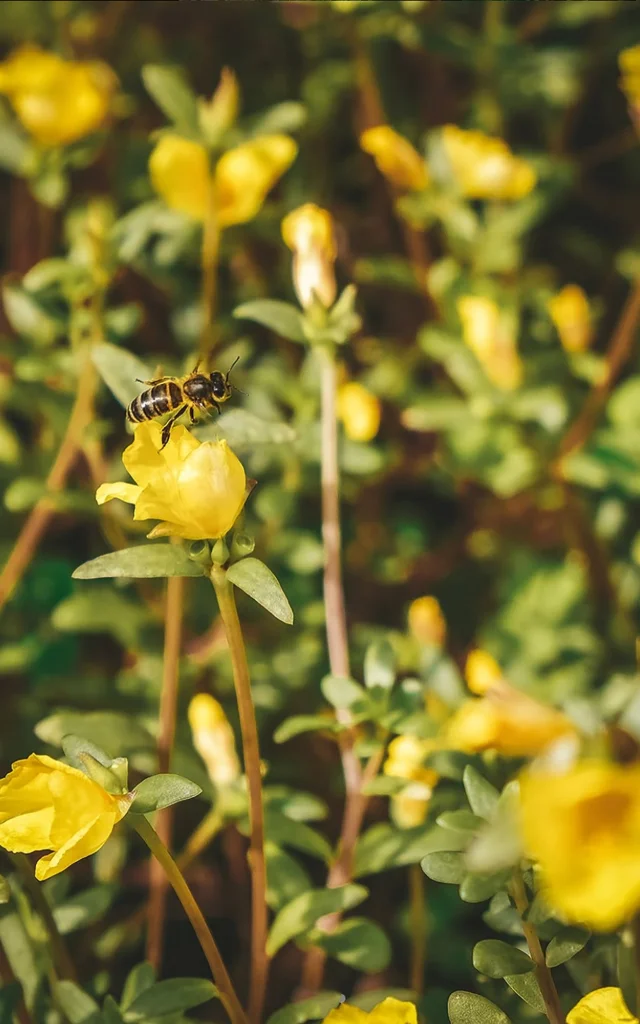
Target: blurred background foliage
{"x":506,"y":483}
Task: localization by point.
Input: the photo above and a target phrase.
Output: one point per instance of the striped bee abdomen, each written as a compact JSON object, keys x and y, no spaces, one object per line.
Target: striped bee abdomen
{"x":155,"y":401}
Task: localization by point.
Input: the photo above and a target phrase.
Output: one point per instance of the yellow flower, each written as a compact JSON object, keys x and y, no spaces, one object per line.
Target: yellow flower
{"x":240,"y":181}
{"x":629,"y":63}
{"x":603,"y":1006}
{"x":490,"y":335}
{"x":196,"y":489}
{"x":405,"y":760}
{"x":583,"y":829}
{"x":396,"y":158}
{"x":409,"y":807}
{"x":308,"y":232}
{"x":359,"y":411}
{"x":569,"y":310}
{"x":389,"y":1011}
{"x":484,"y":167}
{"x":47,"y":805}
{"x":426,"y":622}
{"x":482,"y":672}
{"x":56,"y":100}
{"x":213,"y":739}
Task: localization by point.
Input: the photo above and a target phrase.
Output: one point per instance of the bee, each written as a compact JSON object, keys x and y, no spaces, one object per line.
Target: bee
{"x":195,"y":391}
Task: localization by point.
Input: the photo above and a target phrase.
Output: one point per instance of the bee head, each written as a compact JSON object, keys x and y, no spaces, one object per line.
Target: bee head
{"x":220,"y":385}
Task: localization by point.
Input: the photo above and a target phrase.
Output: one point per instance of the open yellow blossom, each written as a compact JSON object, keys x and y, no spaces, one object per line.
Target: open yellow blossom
{"x":395,"y":158}
{"x":359,"y":411}
{"x":406,"y":760}
{"x":213,"y":739}
{"x":484,"y":167}
{"x":482,"y":672}
{"x":196,"y":489}
{"x":582,"y":827}
{"x":308,"y":231}
{"x":389,"y":1011}
{"x":57,"y":101}
{"x":427,"y":624}
{"x":629,"y":63}
{"x":490,"y":335}
{"x":239,"y":183}
{"x":602,"y":1006}
{"x":47,"y":805}
{"x":569,"y":310}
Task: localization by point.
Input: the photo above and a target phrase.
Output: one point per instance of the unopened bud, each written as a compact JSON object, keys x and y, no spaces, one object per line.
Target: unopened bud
{"x":308,"y":231}
{"x":426,"y":622}
{"x":213,"y":738}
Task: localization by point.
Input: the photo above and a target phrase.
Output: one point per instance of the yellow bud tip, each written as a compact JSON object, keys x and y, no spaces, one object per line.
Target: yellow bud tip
{"x":309,"y":233}
{"x":426,"y":622}
{"x":571,"y":316}
{"x":359,"y":411}
{"x":396,"y":158}
{"x":482,"y":672}
{"x":483,"y":167}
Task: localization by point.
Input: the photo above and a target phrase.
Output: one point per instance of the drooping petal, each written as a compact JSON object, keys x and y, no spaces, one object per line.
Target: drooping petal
{"x":245,"y":175}
{"x":126,"y":492}
{"x":87,"y":840}
{"x":395,"y":158}
{"x":603,"y":1006}
{"x":179,"y":171}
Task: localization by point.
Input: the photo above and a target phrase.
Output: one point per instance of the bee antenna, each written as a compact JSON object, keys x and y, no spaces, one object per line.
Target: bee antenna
{"x":236,"y":360}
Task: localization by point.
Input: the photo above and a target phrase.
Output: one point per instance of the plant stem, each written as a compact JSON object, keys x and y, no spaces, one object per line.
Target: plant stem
{"x":209,"y":260}
{"x":201,"y":837}
{"x":544,"y":978}
{"x":183,"y":892}
{"x":418,"y":928}
{"x":635,"y":931}
{"x":251,"y":751}
{"x":63,"y":963}
{"x":166,"y":735}
{"x":43,"y":512}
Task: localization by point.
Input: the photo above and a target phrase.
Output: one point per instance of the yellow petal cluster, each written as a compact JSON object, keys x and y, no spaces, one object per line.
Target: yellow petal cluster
{"x":569,"y":310}
{"x":503,"y":718}
{"x":489,"y":333}
{"x":406,"y":760}
{"x":389,"y":1011}
{"x":213,"y":738}
{"x":47,"y":805}
{"x":484,"y":167}
{"x":359,"y":411}
{"x":427,"y":624}
{"x":602,"y":1006}
{"x":309,"y":232}
{"x":57,"y":101}
{"x":395,"y":158}
{"x":238,"y":185}
{"x":583,"y":830}
{"x":195,"y":489}
{"x":629,"y":63}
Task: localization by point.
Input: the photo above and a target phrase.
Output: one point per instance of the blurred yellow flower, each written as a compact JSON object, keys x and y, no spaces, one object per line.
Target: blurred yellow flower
{"x":389,"y":1011}
{"x":583,"y":829}
{"x":405,"y":760}
{"x":484,"y":167}
{"x":482,"y":672}
{"x":569,"y":310}
{"x":359,"y":411}
{"x":57,"y":101}
{"x":427,"y":624}
{"x":490,"y":335}
{"x":196,"y":489}
{"x":603,"y":1006}
{"x":308,"y":232}
{"x":47,"y":805}
{"x":213,"y":738}
{"x":629,"y":63}
{"x":396,"y":158}
{"x":239,"y":183}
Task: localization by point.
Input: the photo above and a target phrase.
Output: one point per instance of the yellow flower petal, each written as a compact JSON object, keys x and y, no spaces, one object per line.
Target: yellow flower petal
{"x":484,"y":167}
{"x":490,"y":334}
{"x":508,"y":721}
{"x":245,"y":175}
{"x":393,"y":1011}
{"x":426,"y":621}
{"x":603,"y":1006}
{"x":309,"y":232}
{"x":126,"y":492}
{"x":87,"y":840}
{"x":179,"y":171}
{"x":346,"y":1014}
{"x":569,"y":310}
{"x":213,"y":738}
{"x":482,"y":672}
{"x":395,"y":158}
{"x":359,"y":411}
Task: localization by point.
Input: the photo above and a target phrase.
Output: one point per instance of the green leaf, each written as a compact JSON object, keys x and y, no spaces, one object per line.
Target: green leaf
{"x":469,"y":1008}
{"x":341,"y":692}
{"x":482,"y":796}
{"x":460,"y":821}
{"x":84,"y":908}
{"x":281,"y":317}
{"x":21,"y":953}
{"x":358,"y":943}
{"x":27,"y":317}
{"x":305,"y":910}
{"x":298,"y":724}
{"x":282,"y":831}
{"x":255,"y":579}
{"x":140,"y":978}
{"x":497,"y":959}
{"x":246,"y":431}
{"x":121,"y":371}
{"x":111,"y":1012}
{"x":169,"y":88}
{"x":15,"y":151}
{"x":145,"y":561}
{"x":380,"y":665}
{"x":626,"y":969}
{"x":175,"y":995}
{"x":285,"y":878}
{"x":383,"y":846}
{"x":162,"y":791}
{"x":445,"y":867}
{"x":5,"y":891}
{"x":120,"y":732}
{"x":526,"y":986}
{"x":475,"y":888}
{"x":74,"y":746}
{"x":77,"y":1006}
{"x":315,"y":1008}
{"x":565,"y":945}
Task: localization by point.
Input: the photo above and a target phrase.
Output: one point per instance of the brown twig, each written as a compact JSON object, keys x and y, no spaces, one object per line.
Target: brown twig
{"x":543,"y":975}
{"x":209,"y":262}
{"x":158,"y":883}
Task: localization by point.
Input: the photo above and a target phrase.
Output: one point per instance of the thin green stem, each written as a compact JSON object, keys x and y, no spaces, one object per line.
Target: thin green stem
{"x":63,"y":963}
{"x":251,"y":750}
{"x":418,"y":921}
{"x":206,"y":831}
{"x":544,"y":978}
{"x":219,"y":972}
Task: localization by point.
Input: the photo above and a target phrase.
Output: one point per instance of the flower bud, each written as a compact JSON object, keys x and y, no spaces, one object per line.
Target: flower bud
{"x":214,"y":740}
{"x":218,"y":114}
{"x":409,"y":807}
{"x":490,"y":334}
{"x":396,"y":158}
{"x":484,"y":167}
{"x":359,"y":411}
{"x":427,"y":624}
{"x":482,"y":672}
{"x":308,"y":231}
{"x":569,"y":310}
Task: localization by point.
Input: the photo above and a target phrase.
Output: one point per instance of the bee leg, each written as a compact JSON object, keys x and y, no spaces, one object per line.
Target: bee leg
{"x":192,"y":415}
{"x":166,"y":430}
{"x":216,"y":407}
